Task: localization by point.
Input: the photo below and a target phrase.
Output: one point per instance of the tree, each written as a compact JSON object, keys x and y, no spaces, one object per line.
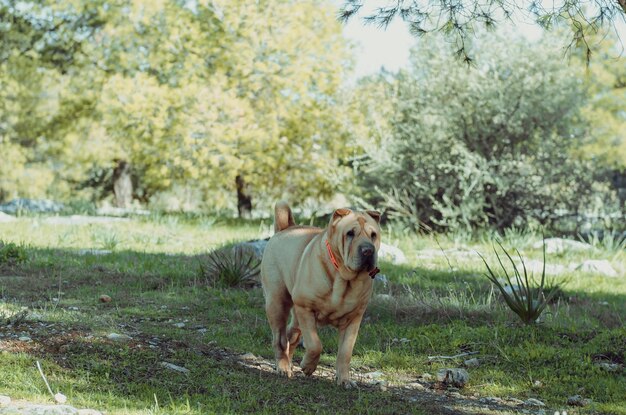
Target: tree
{"x":460,"y":18}
{"x":488,"y":145}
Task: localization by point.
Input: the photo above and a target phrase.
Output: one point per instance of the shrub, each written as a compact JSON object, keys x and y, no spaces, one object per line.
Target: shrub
{"x":231,"y":267}
{"x":11,"y":253}
{"x":489,"y":145}
{"x":520,"y":291}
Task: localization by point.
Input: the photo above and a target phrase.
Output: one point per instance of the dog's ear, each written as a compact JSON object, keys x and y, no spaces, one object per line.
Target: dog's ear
{"x":338,"y":214}
{"x":374,"y":214}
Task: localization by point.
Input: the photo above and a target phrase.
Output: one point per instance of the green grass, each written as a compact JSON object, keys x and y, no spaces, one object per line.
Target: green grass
{"x":440,"y":306}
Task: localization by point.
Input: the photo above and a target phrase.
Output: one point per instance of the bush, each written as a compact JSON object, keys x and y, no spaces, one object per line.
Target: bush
{"x":489,"y":145}
{"x":231,"y":267}
{"x":12,"y":254}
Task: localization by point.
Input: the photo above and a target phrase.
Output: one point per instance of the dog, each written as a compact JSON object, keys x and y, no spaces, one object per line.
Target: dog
{"x":320,"y":277}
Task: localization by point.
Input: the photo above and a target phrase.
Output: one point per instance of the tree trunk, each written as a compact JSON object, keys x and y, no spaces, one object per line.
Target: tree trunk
{"x":244,"y":200}
{"x":122,"y":184}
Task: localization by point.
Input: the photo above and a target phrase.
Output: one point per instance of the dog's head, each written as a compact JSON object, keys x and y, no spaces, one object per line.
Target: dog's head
{"x":355,"y":237}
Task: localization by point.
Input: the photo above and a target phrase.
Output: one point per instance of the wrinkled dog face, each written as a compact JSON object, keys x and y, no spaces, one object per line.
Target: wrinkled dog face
{"x":356,"y":237}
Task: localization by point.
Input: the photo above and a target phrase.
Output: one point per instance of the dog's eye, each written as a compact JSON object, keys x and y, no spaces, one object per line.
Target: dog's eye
{"x":373,"y":235}
{"x":350,"y":233}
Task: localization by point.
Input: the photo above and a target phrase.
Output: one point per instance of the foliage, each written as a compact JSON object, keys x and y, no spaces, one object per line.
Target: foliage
{"x":190,"y":93}
{"x":460,"y":19}
{"x":521,"y":293}
{"x":231,"y":267}
{"x":11,"y":253}
{"x":490,"y":145}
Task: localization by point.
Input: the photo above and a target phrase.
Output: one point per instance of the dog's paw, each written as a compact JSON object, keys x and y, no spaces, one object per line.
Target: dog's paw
{"x":284,"y":369}
{"x":347,"y":383}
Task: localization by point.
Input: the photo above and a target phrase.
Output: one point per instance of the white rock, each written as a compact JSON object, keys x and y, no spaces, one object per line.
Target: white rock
{"x":454,"y":376}
{"x":536,"y":268}
{"x":174,"y":367}
{"x":391,"y":254}
{"x":4,"y":401}
{"x":560,"y":245}
{"x":24,"y":339}
{"x":179,"y":325}
{"x":60,"y":398}
{"x":473,"y":362}
{"x":247,"y":356}
{"x":119,"y":337}
{"x":374,"y":375}
{"x":600,"y":267}
{"x":5,"y":218}
{"x":533,"y":402}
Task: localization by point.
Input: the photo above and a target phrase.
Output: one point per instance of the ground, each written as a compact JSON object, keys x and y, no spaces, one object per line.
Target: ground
{"x":187,"y":346}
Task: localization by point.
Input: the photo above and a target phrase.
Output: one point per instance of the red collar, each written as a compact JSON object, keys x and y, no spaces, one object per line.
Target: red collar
{"x":331,"y":255}
{"x":372,"y":273}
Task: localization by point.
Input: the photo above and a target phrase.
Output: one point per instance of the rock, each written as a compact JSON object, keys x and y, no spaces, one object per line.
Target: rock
{"x":455,"y":395}
{"x":24,"y":339}
{"x":415,"y":385}
{"x":89,"y":412}
{"x":536,"y":268}
{"x":179,"y":325}
{"x":174,"y":367}
{"x":119,"y":337}
{"x":5,"y":218}
{"x":247,"y":356}
{"x":31,"y":205}
{"x":515,"y":401}
{"x":383,"y":298}
{"x":595,"y":266}
{"x":491,"y":400}
{"x":533,"y":402}
{"x":4,"y":401}
{"x":391,"y":254}
{"x":82,"y":220}
{"x":560,"y":245}
{"x":104,"y":298}
{"x":426,"y":377}
{"x":455,"y":377}
{"x":94,"y":252}
{"x":474,"y":362}
{"x":256,"y":246}
{"x":35,"y":409}
{"x":609,"y":367}
{"x":60,"y":398}
{"x":374,"y":375}
{"x":577,"y":400}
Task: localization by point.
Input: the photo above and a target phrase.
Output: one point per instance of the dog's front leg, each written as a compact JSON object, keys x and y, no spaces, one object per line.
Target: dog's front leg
{"x":312,"y":343}
{"x":347,"y":338}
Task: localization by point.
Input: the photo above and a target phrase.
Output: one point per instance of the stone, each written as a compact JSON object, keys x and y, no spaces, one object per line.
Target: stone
{"x":104,"y":298}
{"x":374,"y":375}
{"x":533,"y":402}
{"x":4,"y":401}
{"x":473,"y":362}
{"x":119,"y":337}
{"x":560,"y":245}
{"x":89,"y":412}
{"x":491,"y":400}
{"x":415,"y":385}
{"x":391,"y":254}
{"x":247,"y":356}
{"x":24,"y":339}
{"x":174,"y":367}
{"x":60,"y":398}
{"x":577,"y":400}
{"x":179,"y":325}
{"x":609,"y":367}
{"x":535,"y":267}
{"x":37,"y":409}
{"x":597,"y":266}
{"x":453,"y":376}
{"x":31,"y":205}
{"x":94,"y":252}
{"x":6,"y":218}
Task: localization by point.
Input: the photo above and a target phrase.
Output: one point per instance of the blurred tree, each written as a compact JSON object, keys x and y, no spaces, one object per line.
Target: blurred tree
{"x":490,"y":145}
{"x":460,"y":18}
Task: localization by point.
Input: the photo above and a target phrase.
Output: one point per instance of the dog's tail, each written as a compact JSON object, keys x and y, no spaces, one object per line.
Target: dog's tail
{"x":283,"y":218}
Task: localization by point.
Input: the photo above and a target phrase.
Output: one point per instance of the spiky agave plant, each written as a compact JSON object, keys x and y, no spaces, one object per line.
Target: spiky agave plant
{"x":231,"y":267}
{"x":526,"y":300}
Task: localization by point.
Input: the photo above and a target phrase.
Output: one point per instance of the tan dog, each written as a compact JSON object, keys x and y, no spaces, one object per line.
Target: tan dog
{"x":323,"y":276}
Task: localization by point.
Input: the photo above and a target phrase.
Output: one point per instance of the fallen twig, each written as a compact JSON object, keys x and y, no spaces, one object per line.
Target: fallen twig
{"x":456,"y":356}
{"x":59,"y":397}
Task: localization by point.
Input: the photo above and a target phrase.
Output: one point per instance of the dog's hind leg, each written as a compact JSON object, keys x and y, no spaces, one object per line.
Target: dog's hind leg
{"x":293,"y":334}
{"x":277,"y":308}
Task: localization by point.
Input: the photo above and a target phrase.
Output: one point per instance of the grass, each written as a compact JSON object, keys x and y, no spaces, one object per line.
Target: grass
{"x":434,"y":305}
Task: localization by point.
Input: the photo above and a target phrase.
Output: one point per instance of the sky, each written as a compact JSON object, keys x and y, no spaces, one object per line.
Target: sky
{"x":389,"y":48}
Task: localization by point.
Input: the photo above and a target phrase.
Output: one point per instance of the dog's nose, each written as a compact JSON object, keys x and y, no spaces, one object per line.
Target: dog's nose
{"x":367,"y":250}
